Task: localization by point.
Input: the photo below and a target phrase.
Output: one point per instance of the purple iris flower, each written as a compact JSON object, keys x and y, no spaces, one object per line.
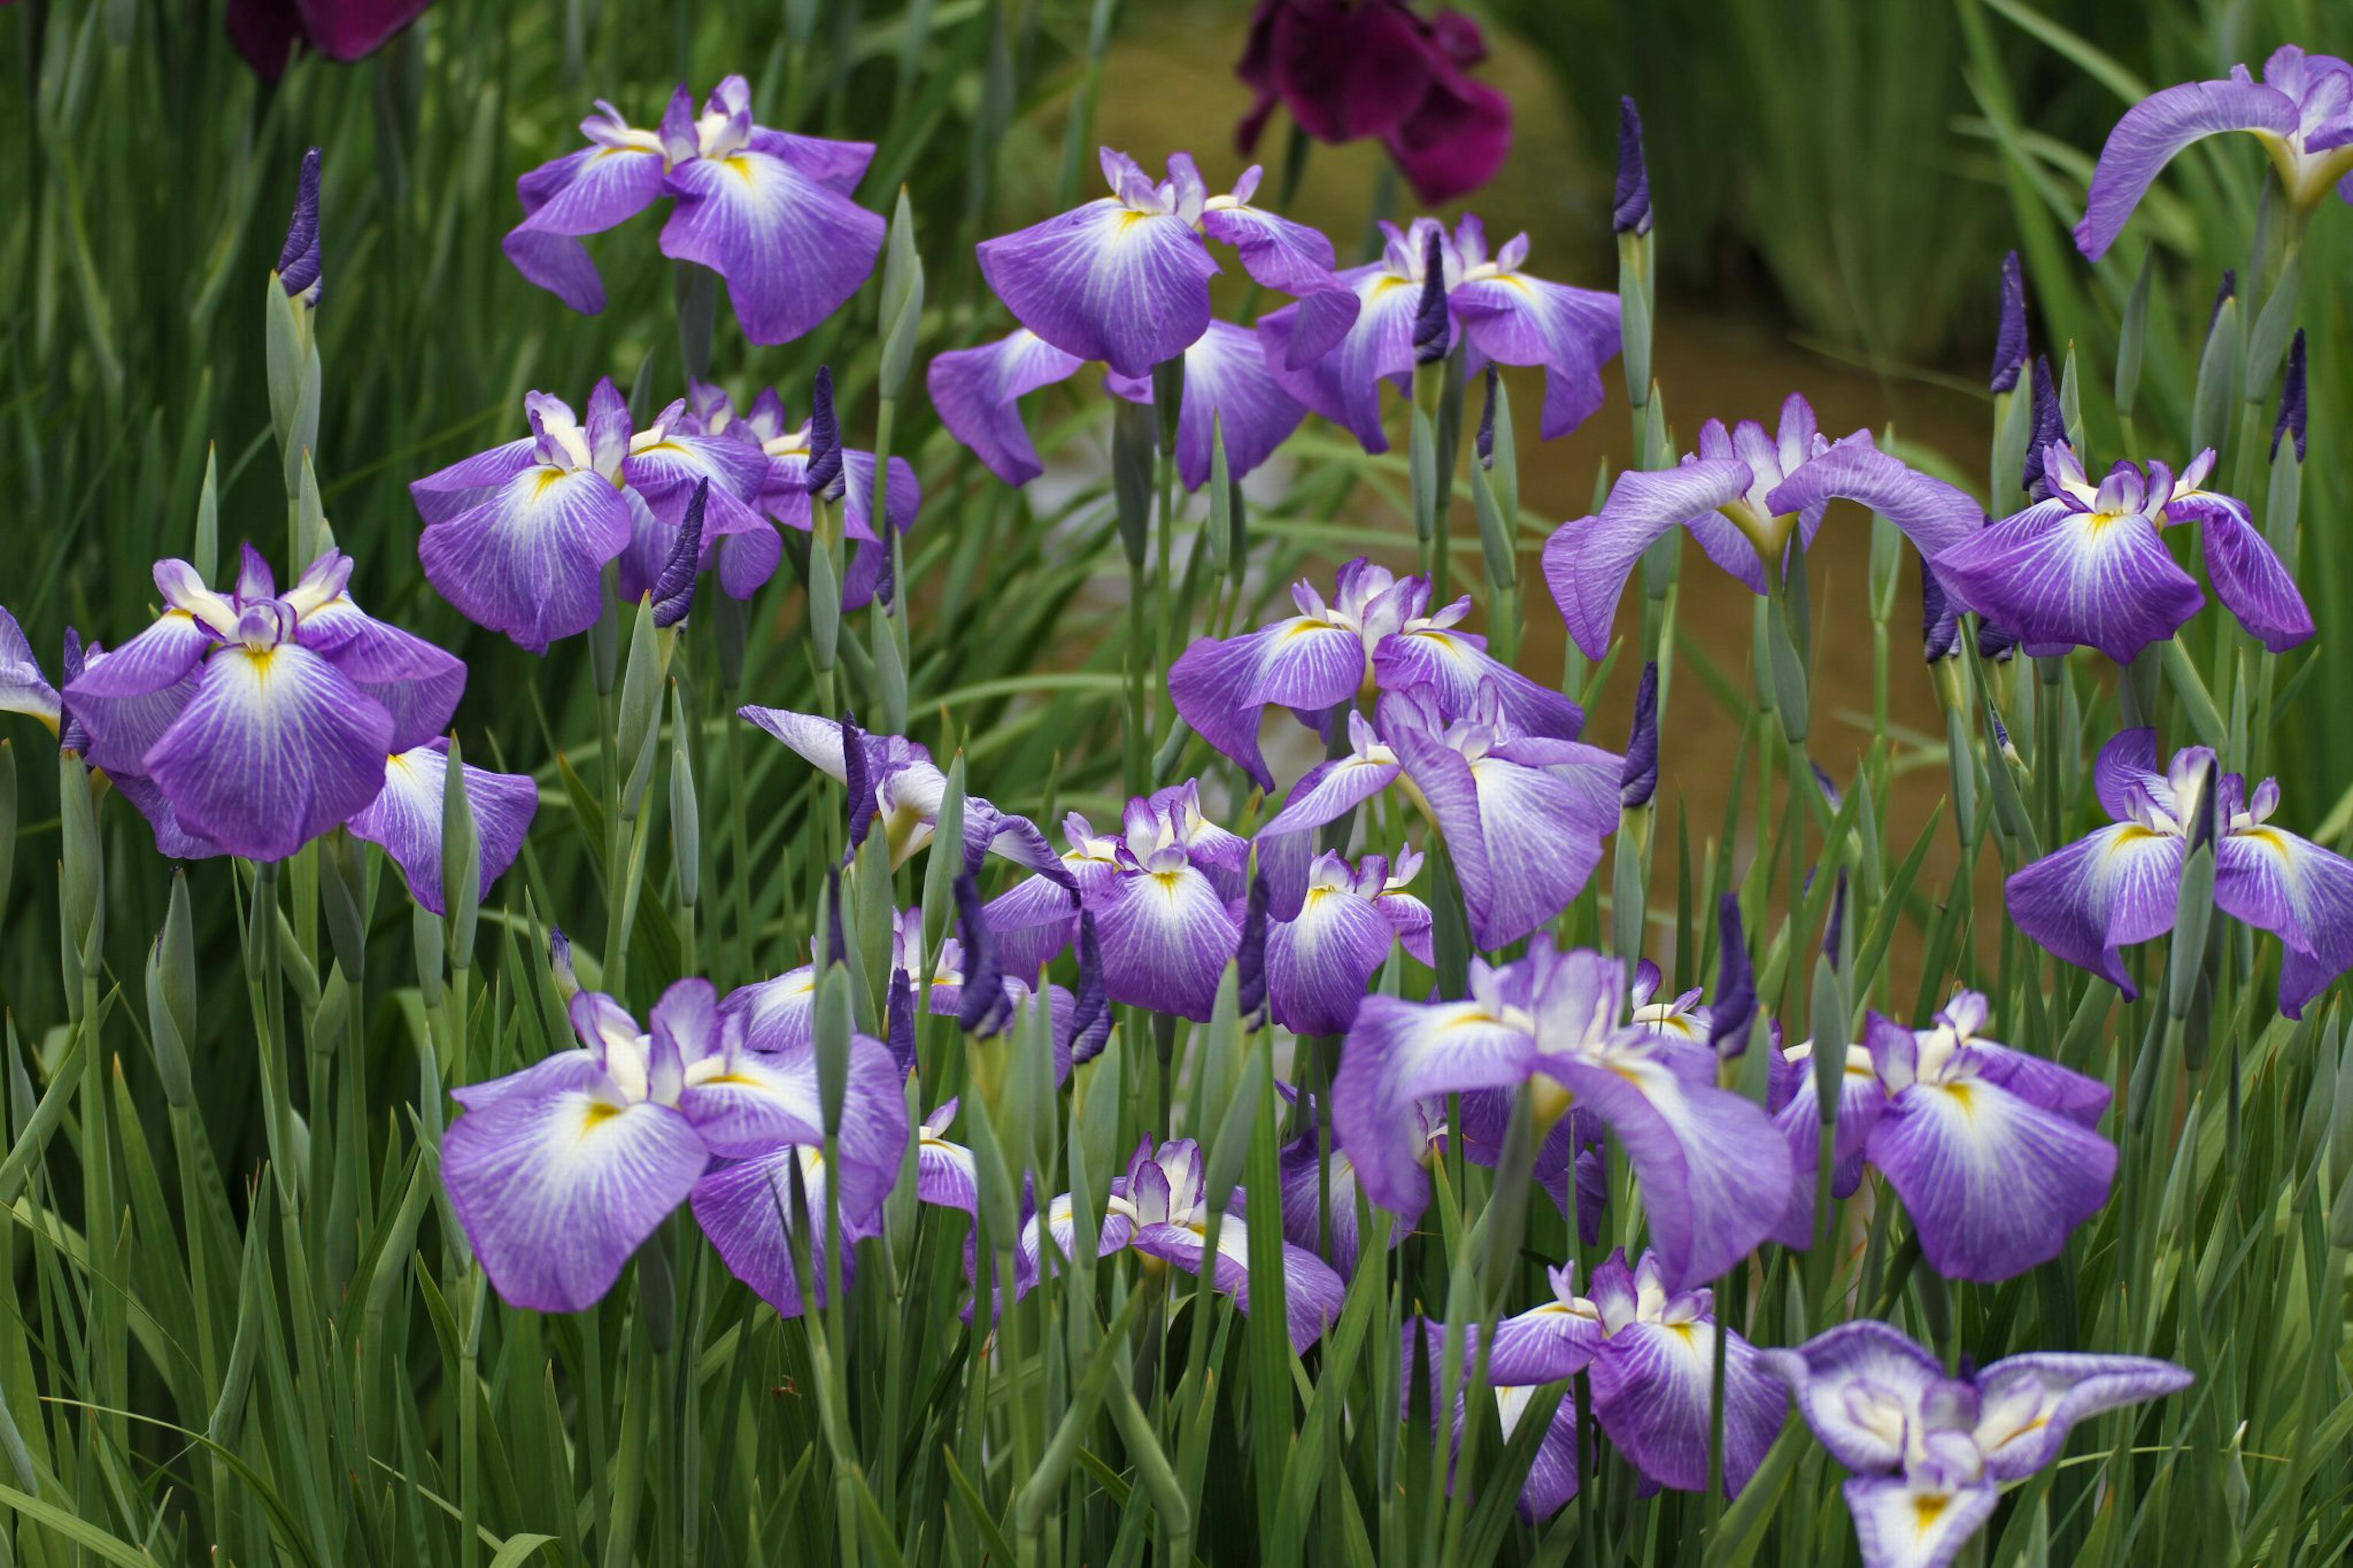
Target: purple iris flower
{"x":908,"y":789}
{"x":2089,"y":566}
{"x":1929,"y":1453}
{"x":1996,"y":1153}
{"x":946,"y":1175}
{"x":1169,"y":912}
{"x":1744,"y":496}
{"x":1376,"y":635}
{"x":1125,"y":279}
{"x":560,"y":1172}
{"x":1714,"y":1173}
{"x":24,"y":688}
{"x":517,"y":537}
{"x":404,"y":818}
{"x":1228,"y":390}
{"x":2302,"y":112}
{"x":1552,"y":1478}
{"x":1650,"y":1352}
{"x":1326,"y":793}
{"x":1159,"y":1208}
{"x":2119,"y":885}
{"x":1318,"y":964}
{"x":1509,"y":317}
{"x":784,"y":493}
{"x":767,"y":210}
{"x":253,"y":722}
{"x":1308,"y":1174}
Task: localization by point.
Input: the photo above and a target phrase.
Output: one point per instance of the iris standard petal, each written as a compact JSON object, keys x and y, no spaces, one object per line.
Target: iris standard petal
{"x":2054,"y":575}
{"x":1515,"y":319}
{"x":1587,"y":562}
{"x":1398,"y":1052}
{"x":1904,"y":1523}
{"x":404,"y":818}
{"x":530,"y":561}
{"x":977,"y":392}
{"x":1167,"y":938}
{"x":792,"y":248}
{"x":1653,"y":1394}
{"x":2101,"y":894}
{"x":275,"y":747}
{"x":2158,"y":127}
{"x":557,"y":1190}
{"x":1106,"y":282}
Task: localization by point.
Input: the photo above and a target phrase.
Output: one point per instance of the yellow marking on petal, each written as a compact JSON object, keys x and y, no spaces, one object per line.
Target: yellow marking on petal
{"x":597,"y":1114}
{"x":2268,"y":838}
{"x":733,"y":1080}
{"x":1683,"y":1331}
{"x":1550,"y":1099}
{"x":742,"y":168}
{"x":2133,"y":834}
{"x":1927,"y":1510}
{"x":548,"y":479}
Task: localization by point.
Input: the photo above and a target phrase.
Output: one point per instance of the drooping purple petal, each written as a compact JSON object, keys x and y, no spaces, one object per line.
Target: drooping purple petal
{"x":1587,"y":562}
{"x":1228,"y":390}
{"x":2248,"y":577}
{"x":586,"y":192}
{"x":2090,"y":899}
{"x":416,"y":682}
{"x":1514,"y":319}
{"x":404,"y":818}
{"x":1400,"y":1052}
{"x":1223,"y":688}
{"x":529,"y":562}
{"x":977,"y":392}
{"x":2157,"y":127}
{"x":2287,"y":885}
{"x":2054,"y":575}
{"x":1455,"y":667}
{"x":1166,"y":940}
{"x":750,"y":1211}
{"x":791,"y":247}
{"x":1654,"y":1394}
{"x":2029,"y":1403}
{"x":1312,"y":1292}
{"x":1344,"y":385}
{"x":1319,"y":964}
{"x":1106,"y":282}
{"x":1933,"y":515}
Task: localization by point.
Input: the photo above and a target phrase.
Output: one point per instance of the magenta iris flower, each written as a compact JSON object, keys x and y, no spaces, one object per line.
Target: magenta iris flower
{"x":404,"y":818}
{"x":559,"y":1172}
{"x":1125,"y":279}
{"x":1508,"y":316}
{"x":767,"y":210}
{"x":1996,"y":1153}
{"x":266,"y":31}
{"x":1228,"y":390}
{"x":1746,"y":497}
{"x":2302,"y":111}
{"x":1376,"y":635}
{"x":1714,"y":1173}
{"x":517,"y":537}
{"x":2088,"y":566}
{"x":1352,"y":70}
{"x":251,"y":722}
{"x":2119,"y":886}
{"x":1929,"y":1453}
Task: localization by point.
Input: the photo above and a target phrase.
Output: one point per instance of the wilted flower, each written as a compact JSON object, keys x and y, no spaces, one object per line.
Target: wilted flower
{"x":1929,"y":1453}
{"x":1508,"y":317}
{"x":2302,"y":112}
{"x":767,"y":210}
{"x":2120,"y":885}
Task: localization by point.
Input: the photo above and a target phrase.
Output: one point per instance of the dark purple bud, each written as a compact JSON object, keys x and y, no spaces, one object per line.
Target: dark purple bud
{"x":985,"y":1008}
{"x":2223,"y":295}
{"x":71,"y":734}
{"x":2001,"y":730}
{"x":1638,"y":778}
{"x":1430,"y":319}
{"x":1592,"y":1194}
{"x":1940,"y":622}
{"x":2049,"y":428}
{"x":1736,"y":984}
{"x":1629,"y":212}
{"x":2292,"y":410}
{"x":1834,"y":928}
{"x":2010,"y":345}
{"x":1827,"y":785}
{"x":824,"y":471}
{"x":857,"y":776}
{"x":900,"y":1016}
{"x":1997,"y":643}
{"x":1486,"y":438}
{"x":1091,"y":1007}
{"x":886,"y":586}
{"x":298,"y":261}
{"x":559,"y":962}
{"x":836,"y":949}
{"x":1249,"y":958}
{"x":673,"y":591}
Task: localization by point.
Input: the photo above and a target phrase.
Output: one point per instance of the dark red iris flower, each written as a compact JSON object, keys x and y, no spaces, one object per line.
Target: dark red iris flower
{"x":266,"y":31}
{"x":1352,"y":69}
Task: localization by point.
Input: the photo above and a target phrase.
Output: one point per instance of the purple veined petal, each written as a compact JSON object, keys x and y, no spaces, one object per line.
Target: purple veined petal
{"x":1228,"y":388}
{"x":816,"y":740}
{"x":1344,"y":382}
{"x":1312,"y":1292}
{"x":470,"y":482}
{"x":977,"y":392}
{"x":2161,"y":126}
{"x":1514,"y":319}
{"x":172,"y":841}
{"x":2248,"y":577}
{"x":2289,"y":886}
{"x":1454,"y":667}
{"x":1032,"y":922}
{"x":1714,"y":1172}
{"x":1275,"y":251}
{"x":1166,"y":940}
{"x":748,"y":1210}
{"x":838,"y":165}
{"x":588,"y":192}
{"x":1552,"y":1474}
{"x":2105,"y":892}
{"x":557,"y":1189}
{"x":1994,"y":1185}
{"x":530,"y":561}
{"x":1106,"y":282}
{"x":2029,"y":1403}
{"x":1286,"y":844}
{"x":416,"y":682}
{"x":1654,"y":1394}
{"x":2061,"y":1091}
{"x":1060,"y":1226}
{"x":666,"y":472}
{"x":791,"y":247}
{"x":125,"y":714}
{"x":565,"y":1070}
{"x":23,"y":687}
{"x":1306,"y":1201}
{"x":1799,"y":1121}
{"x":906,"y":496}
{"x":1524,"y":839}
{"x":1543,"y":1344}
{"x":1318,"y":965}
{"x":1587,"y":562}
{"x":1860,"y":1387}
{"x":1900,"y":1522}
{"x":1410,"y":919}
{"x":778,"y":1015}
{"x":2128,"y":762}
{"x":1399,"y":1052}
{"x":1012,"y":838}
{"x":1933,"y":515}
{"x":763,"y":1098}
{"x":2056,"y":575}
{"x":276,"y":747}
{"x":157,"y":657}
{"x":946,"y":1175}
{"x":404,"y":818}
{"x":1223,"y":688}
